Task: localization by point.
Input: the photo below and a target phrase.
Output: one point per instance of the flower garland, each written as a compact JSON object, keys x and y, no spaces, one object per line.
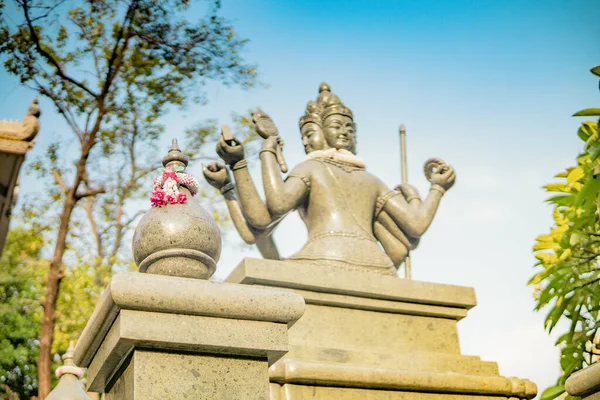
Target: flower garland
{"x":166,"y":187}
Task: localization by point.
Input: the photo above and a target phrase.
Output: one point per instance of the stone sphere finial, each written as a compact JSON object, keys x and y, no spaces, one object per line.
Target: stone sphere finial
{"x":176,"y":237}
{"x":70,"y":386}
{"x":175,"y":155}
{"x":324,"y":87}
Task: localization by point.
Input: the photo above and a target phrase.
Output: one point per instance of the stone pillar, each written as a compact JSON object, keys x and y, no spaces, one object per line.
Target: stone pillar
{"x":378,"y":337}
{"x":585,"y":383}
{"x":167,"y":332}
{"x":164,"y":337}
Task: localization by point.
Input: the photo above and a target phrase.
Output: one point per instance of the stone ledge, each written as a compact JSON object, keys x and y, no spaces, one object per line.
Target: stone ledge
{"x":327,"y":280}
{"x":323,"y":374}
{"x":183,"y":333}
{"x":376,"y":357}
{"x":585,"y":382}
{"x":388,"y":306}
{"x":174,"y":295}
{"x":301,"y":392}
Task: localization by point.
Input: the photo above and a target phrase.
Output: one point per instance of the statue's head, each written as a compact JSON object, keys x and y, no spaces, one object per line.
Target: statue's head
{"x":338,"y":122}
{"x":311,"y":128}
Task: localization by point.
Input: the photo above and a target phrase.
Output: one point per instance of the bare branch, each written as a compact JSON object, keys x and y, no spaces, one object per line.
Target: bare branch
{"x":36,"y":40}
{"x":89,"y":192}
{"x":59,"y":180}
{"x":89,"y":207}
{"x":117,"y":54}
{"x":91,"y":46}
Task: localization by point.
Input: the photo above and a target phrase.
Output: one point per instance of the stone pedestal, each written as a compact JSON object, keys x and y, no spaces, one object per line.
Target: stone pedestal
{"x":585,"y":383}
{"x":366,"y":336}
{"x":164,"y":337}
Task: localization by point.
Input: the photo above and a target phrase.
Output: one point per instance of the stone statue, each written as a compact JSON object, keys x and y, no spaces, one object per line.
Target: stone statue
{"x":346,"y":209}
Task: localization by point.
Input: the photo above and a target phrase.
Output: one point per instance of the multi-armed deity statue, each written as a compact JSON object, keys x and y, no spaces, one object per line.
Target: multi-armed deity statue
{"x":346,"y":209}
{"x":329,"y":322}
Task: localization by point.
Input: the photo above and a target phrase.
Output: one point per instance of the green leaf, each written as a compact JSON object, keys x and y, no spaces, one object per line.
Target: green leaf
{"x":576,"y":174}
{"x":596,"y":70}
{"x":561,"y":200}
{"x":552,"y":392}
{"x":588,"y":112}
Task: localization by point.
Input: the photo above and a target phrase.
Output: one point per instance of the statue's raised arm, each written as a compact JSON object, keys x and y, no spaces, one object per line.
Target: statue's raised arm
{"x":255,"y":210}
{"x":216,"y":175}
{"x":414,"y":217}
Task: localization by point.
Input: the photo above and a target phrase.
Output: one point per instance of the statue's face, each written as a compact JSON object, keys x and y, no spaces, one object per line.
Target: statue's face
{"x":339,"y":132}
{"x":312,"y":137}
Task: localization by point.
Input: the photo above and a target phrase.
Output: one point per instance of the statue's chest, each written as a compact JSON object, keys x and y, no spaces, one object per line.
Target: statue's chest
{"x":352,"y":186}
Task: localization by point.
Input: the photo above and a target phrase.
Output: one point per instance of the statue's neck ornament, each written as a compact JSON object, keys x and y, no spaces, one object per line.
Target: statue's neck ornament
{"x":341,"y":158}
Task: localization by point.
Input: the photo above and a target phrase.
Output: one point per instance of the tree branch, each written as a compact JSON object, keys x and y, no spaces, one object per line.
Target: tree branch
{"x":36,"y":41}
{"x":59,"y":180}
{"x":89,"y":206}
{"x":117,"y":56}
{"x":89,"y":192}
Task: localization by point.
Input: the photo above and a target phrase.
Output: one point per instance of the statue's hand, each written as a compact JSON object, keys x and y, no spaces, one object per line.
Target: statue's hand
{"x":216,"y":175}
{"x":230,"y":153}
{"x":445,"y":177}
{"x":263,"y":124}
{"x":408,"y":191}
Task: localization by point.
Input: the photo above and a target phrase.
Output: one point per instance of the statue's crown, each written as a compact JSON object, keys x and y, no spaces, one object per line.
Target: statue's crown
{"x":312,"y":114}
{"x":331,"y":103}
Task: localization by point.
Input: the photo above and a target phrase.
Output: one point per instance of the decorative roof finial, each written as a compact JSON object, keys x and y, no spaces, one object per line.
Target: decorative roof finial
{"x":175,"y":156}
{"x":34,"y":108}
{"x":69,"y":385}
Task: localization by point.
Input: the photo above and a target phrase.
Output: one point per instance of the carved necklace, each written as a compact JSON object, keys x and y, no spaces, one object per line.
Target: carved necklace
{"x":343,"y":159}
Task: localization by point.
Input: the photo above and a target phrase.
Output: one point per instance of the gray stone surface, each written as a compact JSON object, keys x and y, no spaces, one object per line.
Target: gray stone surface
{"x":189,"y":333}
{"x":585,"y":383}
{"x":301,"y":392}
{"x":174,"y":295}
{"x":332,"y":281}
{"x":156,"y":314}
{"x":369,"y":336}
{"x":152,"y":375}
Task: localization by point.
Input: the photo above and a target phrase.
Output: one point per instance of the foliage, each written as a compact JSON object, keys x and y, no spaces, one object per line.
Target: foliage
{"x":112,"y":69}
{"x":21,"y":276}
{"x":568,"y":280}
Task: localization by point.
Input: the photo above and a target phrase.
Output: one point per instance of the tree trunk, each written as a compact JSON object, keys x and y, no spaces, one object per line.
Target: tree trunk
{"x":55,"y":275}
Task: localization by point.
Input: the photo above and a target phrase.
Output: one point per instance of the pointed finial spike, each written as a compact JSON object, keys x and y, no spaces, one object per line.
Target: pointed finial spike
{"x":324,"y":87}
{"x":175,"y":155}
{"x":402,"y":129}
{"x":68,"y":356}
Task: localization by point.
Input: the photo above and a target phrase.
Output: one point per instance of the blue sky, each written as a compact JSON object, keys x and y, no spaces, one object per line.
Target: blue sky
{"x":487,"y":86}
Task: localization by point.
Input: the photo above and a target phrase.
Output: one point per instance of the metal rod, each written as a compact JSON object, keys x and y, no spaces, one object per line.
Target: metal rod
{"x":404,"y":173}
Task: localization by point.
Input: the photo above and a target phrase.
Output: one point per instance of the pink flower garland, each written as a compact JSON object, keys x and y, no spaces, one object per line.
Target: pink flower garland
{"x":166,"y":188}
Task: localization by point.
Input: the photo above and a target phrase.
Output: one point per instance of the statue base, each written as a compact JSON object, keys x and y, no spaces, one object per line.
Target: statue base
{"x":157,"y":337}
{"x":378,"y":337}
